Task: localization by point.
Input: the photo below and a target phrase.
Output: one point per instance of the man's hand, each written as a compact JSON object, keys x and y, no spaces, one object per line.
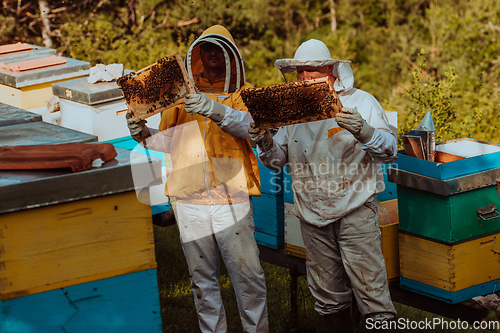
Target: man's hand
{"x":137,"y":127}
{"x":351,"y":120}
{"x":262,"y":138}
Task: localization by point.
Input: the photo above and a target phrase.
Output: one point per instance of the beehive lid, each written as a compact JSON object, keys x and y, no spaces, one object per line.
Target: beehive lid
{"x":72,"y":68}
{"x":27,"y":189}
{"x":292,"y":103}
{"x":477,"y":156}
{"x":10,"y":115}
{"x":24,"y":53}
{"x":157,"y":87}
{"x":39,"y":133}
{"x":81,"y":91}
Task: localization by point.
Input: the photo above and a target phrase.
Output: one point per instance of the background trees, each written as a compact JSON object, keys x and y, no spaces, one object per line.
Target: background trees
{"x":383,"y":38}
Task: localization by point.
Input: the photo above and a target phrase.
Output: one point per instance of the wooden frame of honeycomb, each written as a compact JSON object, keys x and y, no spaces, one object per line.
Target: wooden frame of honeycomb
{"x":292,"y":103}
{"x":157,"y":87}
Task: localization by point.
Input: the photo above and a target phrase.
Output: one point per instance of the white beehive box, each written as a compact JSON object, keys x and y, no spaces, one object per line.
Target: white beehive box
{"x":95,"y":108}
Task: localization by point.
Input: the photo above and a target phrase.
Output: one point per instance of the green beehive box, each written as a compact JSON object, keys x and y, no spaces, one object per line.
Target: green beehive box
{"x":445,"y":208}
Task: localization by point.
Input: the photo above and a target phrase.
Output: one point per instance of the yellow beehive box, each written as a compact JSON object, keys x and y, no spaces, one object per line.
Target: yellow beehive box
{"x":450,"y":267}
{"x":56,"y":246}
{"x":31,"y":89}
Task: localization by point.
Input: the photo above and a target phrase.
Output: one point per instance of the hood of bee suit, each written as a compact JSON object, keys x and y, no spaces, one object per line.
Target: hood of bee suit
{"x":220,"y":36}
{"x":315,"y":53}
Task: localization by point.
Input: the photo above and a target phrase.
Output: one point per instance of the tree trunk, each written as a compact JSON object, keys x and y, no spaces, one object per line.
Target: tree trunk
{"x":44,"y":15}
{"x":131,"y":14}
{"x":333,"y":16}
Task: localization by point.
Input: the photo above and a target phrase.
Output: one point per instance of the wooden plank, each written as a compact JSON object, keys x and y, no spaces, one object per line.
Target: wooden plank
{"x":65,"y":244}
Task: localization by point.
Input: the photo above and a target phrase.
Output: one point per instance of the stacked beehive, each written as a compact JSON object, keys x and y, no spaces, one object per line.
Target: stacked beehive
{"x":448,"y":220}
{"x":27,"y":73}
{"x":77,"y":249}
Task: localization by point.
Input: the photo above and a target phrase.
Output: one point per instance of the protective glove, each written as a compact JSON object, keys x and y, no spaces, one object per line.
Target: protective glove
{"x":351,"y":120}
{"x":262,"y":138}
{"x":137,"y":127}
{"x":203,"y":105}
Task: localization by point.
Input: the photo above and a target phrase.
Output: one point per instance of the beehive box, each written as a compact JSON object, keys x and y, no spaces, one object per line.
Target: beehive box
{"x":450,"y":202}
{"x":292,"y":103}
{"x":294,"y":245}
{"x":157,"y":87}
{"x":31,"y":89}
{"x":126,"y":303}
{"x":77,"y":248}
{"x":95,"y":108}
{"x":451,"y":273}
{"x":268,"y":209}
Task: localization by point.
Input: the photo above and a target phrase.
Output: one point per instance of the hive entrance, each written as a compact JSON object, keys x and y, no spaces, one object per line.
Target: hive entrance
{"x":292,"y":103}
{"x":157,"y":87}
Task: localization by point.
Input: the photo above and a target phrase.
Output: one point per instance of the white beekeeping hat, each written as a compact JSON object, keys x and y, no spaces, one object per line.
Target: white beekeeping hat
{"x":315,"y":53}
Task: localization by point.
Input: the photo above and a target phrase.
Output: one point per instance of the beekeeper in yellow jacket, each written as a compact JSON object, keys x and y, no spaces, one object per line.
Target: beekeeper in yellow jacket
{"x":214,"y":175}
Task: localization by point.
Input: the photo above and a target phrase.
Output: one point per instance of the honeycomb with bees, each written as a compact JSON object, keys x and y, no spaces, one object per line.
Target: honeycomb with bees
{"x":292,"y":103}
{"x":157,"y":87}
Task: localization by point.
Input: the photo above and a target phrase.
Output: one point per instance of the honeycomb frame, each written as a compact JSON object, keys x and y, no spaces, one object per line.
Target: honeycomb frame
{"x":292,"y":103}
{"x":156,"y":87}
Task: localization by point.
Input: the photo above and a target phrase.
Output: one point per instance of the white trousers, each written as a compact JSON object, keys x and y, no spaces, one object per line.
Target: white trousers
{"x":348,"y":250}
{"x":230,"y":230}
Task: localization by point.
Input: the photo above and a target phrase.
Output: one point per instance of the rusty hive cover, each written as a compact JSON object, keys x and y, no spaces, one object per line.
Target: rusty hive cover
{"x":292,"y":103}
{"x":157,"y":87}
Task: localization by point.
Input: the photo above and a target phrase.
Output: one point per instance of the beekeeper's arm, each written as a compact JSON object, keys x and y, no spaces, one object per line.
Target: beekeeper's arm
{"x":375,"y":137}
{"x":147,"y":137}
{"x":272,"y":152}
{"x":234,"y":122}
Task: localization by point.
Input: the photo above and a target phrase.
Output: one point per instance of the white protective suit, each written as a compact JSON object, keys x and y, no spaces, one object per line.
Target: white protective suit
{"x":214,"y":175}
{"x":335,"y":180}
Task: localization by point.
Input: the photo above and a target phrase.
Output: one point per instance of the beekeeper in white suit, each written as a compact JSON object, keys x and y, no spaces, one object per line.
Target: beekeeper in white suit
{"x":336,"y":176}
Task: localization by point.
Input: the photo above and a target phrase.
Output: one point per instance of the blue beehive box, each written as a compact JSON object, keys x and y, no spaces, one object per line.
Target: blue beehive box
{"x":122,"y":304}
{"x":268,"y":209}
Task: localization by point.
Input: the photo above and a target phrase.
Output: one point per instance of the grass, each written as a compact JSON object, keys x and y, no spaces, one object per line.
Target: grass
{"x":177,"y":305}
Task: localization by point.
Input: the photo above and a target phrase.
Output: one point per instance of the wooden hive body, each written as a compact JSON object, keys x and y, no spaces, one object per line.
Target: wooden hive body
{"x":157,"y":87}
{"x":449,"y":272}
{"x":292,"y":103}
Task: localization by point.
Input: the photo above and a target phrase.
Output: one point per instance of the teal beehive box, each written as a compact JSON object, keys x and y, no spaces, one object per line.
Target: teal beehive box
{"x":453,"y":199}
{"x":268,"y":209}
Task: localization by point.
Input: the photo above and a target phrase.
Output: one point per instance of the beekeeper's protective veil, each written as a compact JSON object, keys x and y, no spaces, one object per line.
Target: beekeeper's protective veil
{"x":315,"y":53}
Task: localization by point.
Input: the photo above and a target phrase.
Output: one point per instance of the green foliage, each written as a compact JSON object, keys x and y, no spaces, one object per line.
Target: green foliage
{"x":382,"y":38}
